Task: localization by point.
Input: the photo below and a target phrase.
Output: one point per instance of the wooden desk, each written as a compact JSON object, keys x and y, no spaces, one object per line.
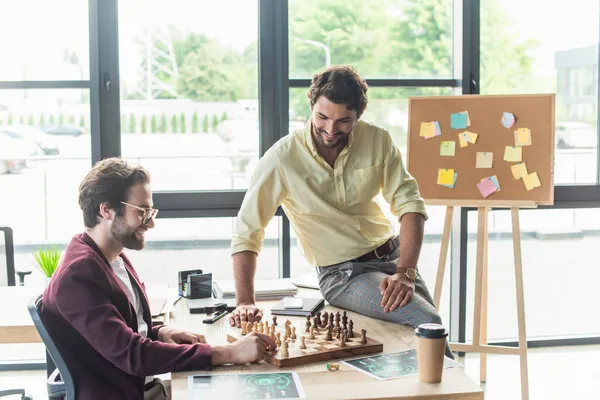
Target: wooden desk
{"x":16,"y":325}
{"x":346,"y":383}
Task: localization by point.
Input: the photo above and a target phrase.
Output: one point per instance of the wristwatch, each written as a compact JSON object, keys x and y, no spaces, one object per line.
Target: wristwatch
{"x":410,"y":273}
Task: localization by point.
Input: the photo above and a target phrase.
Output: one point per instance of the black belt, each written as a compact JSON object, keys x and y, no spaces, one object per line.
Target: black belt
{"x":380,"y":252}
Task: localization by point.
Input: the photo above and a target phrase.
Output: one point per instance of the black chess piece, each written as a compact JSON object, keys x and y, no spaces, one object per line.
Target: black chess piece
{"x":319,"y":322}
{"x":325,"y":319}
{"x":274,"y":321}
{"x":331,"y":320}
{"x":351,"y":332}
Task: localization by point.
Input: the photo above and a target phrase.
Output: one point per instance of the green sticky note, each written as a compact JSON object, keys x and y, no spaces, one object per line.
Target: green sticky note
{"x":448,"y":148}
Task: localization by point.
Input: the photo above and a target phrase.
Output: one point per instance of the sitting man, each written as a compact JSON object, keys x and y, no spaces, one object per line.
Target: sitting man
{"x":96,"y":308}
{"x":326,"y":178}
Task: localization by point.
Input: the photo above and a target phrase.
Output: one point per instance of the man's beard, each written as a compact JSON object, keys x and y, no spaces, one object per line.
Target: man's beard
{"x":126,"y":235}
{"x":341,"y":138}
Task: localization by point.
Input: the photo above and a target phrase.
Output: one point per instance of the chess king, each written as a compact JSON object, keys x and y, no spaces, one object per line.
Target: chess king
{"x":326,"y":178}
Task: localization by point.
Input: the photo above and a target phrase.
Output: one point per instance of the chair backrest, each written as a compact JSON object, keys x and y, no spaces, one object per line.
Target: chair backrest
{"x":9,"y":250}
{"x":34,"y":310}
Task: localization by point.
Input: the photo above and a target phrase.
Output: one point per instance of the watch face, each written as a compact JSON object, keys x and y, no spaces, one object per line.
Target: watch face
{"x":411,"y":273}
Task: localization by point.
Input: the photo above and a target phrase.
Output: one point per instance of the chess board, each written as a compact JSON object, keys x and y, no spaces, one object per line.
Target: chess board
{"x":317,"y":349}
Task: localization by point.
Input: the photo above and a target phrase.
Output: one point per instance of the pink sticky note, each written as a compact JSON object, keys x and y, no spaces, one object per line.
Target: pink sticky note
{"x":486,"y":187}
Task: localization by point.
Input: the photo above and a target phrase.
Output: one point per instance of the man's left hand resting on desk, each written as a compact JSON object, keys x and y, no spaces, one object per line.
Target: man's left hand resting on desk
{"x":171,"y":335}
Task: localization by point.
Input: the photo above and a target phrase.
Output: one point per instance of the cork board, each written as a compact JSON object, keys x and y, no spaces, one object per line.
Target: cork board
{"x":535,"y":143}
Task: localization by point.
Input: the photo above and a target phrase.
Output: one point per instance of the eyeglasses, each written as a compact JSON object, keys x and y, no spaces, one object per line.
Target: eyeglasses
{"x":149,"y":213}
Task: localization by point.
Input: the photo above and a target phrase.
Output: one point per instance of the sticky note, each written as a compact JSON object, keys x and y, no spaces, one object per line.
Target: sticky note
{"x":484,"y":160}
{"x":463,"y":139}
{"x":523,"y":137}
{"x":508,"y":120}
{"x":437,"y":131}
{"x":519,"y":170}
{"x":448,"y":148}
{"x":445,"y":177}
{"x":513,"y":154}
{"x":495,"y":181}
{"x":486,"y":187}
{"x":532,"y":181}
{"x":427,"y":129}
{"x":459,"y":120}
{"x":453,"y":182}
{"x":472,"y":137}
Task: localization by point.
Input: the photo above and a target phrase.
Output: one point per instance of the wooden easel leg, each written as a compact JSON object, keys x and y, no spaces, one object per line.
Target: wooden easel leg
{"x":520,"y":302}
{"x":484,"y":307}
{"x":439,"y":280}
{"x":481,"y":222}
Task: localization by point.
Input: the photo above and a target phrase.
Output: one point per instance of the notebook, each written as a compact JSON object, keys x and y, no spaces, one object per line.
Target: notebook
{"x":310,"y":307}
{"x":264,"y":289}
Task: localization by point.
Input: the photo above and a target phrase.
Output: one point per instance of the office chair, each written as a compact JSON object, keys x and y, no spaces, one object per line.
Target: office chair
{"x":10,"y":258}
{"x":60,"y":383}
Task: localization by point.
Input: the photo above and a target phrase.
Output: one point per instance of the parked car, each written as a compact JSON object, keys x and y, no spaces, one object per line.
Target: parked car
{"x":571,"y":135}
{"x":42,"y":140}
{"x":13,"y":154}
{"x":63,"y":130}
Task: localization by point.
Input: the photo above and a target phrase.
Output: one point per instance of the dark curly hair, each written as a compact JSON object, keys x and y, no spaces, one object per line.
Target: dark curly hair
{"x":340,"y":84}
{"x":108,"y":181}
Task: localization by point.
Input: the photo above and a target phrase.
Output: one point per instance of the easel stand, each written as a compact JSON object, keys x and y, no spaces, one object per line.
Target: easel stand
{"x":479,"y":344}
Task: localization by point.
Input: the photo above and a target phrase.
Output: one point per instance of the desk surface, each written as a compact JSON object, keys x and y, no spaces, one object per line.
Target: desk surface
{"x":346,"y":383}
{"x":318,"y":383}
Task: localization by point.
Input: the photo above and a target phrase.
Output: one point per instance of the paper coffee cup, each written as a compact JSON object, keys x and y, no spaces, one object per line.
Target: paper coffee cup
{"x":431,"y":346}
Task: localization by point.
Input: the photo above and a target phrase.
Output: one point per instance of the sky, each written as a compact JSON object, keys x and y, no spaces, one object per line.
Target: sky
{"x":37,"y":39}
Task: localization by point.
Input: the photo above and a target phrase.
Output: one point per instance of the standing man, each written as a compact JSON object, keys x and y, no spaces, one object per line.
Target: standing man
{"x":326,"y":178}
{"x":96,"y":308}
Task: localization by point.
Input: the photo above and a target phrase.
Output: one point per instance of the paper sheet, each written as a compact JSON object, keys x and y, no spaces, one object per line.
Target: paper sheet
{"x":427,"y":129}
{"x":484,"y":160}
{"x":453,"y":182}
{"x":513,"y":154}
{"x":519,"y":170}
{"x":523,"y":137}
{"x":445,"y":176}
{"x":486,"y":187}
{"x":532,"y":181}
{"x":460,"y":120}
{"x":508,"y":120}
{"x":448,"y":148}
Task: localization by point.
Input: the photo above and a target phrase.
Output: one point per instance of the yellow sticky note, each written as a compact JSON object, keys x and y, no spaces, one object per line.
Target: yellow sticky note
{"x":519,"y":170}
{"x":484,"y":159}
{"x":448,"y":148}
{"x":523,"y":137}
{"x":427,"y":129}
{"x":472,"y":137}
{"x":513,"y":154}
{"x":463,"y":139}
{"x":445,"y":176}
{"x":532,"y":181}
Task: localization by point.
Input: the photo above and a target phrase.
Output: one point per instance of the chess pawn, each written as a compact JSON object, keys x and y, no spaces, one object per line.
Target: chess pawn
{"x":284,"y":350}
{"x":329,"y":333}
{"x":343,"y":341}
{"x":261,"y":327}
{"x":244,"y":328}
{"x":293,"y":335}
{"x":308,"y":325}
{"x":331,"y":320}
{"x":339,"y":333}
{"x":319,"y":322}
{"x":302,"y":344}
{"x":314,"y":325}
{"x":312,"y":333}
{"x":363,"y":337}
{"x":267,"y":328}
{"x":274,"y":320}
{"x":337,"y":317}
{"x":249,"y":327}
{"x":278,"y":340}
{"x":273,"y":334}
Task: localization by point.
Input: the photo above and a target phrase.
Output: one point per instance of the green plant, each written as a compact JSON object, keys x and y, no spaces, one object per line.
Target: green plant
{"x":47,"y":260}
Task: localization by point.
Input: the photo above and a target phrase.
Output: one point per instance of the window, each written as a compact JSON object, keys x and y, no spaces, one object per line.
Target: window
{"x":189,"y":91}
{"x":380,"y":39}
{"x":59,"y":52}
{"x":180,"y":244}
{"x":559,"y":277}
{"x":522,"y":53}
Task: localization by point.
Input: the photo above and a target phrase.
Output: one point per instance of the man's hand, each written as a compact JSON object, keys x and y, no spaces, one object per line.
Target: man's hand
{"x":251,"y":348}
{"x":397,"y":290}
{"x":245,"y":312}
{"x":170,"y":335}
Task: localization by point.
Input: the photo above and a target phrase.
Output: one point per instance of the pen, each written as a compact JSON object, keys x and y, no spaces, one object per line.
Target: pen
{"x":215,"y":317}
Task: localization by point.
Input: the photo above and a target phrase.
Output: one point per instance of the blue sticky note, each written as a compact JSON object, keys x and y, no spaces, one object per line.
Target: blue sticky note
{"x":438,"y":129}
{"x":458,"y":121}
{"x":495,"y":180}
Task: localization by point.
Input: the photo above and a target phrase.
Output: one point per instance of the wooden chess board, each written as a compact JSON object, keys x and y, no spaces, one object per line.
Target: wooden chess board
{"x":317,"y":349}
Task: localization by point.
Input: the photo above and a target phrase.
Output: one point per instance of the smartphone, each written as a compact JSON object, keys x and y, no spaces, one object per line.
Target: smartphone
{"x":292,"y":302}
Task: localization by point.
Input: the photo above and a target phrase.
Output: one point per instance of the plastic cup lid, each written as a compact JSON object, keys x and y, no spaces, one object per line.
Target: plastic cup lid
{"x":431,"y":331}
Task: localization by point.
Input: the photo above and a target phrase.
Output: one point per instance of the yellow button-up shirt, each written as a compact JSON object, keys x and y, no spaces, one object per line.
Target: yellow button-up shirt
{"x":334,"y":211}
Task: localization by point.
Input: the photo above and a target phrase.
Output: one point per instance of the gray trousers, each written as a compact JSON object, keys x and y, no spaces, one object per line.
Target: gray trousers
{"x":354,"y":286}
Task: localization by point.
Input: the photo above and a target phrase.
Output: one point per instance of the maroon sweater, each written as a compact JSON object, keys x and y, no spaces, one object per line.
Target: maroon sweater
{"x":95,"y":328}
